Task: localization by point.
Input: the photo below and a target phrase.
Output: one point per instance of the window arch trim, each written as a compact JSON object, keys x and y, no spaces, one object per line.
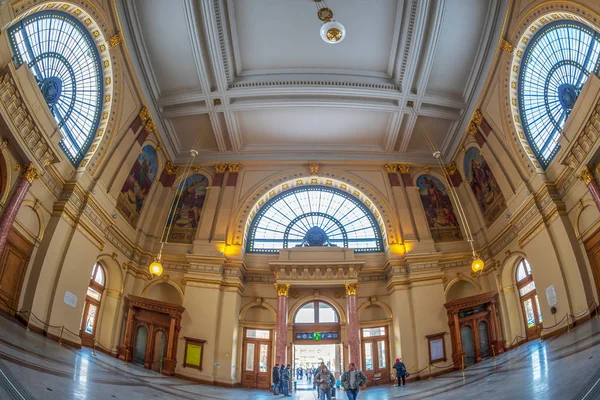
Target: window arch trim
{"x":315,"y":304}
{"x":63,"y":121}
{"x":355,"y":201}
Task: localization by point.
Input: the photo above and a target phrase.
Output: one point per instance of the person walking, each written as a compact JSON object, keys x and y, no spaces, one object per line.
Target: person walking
{"x":275,"y":379}
{"x":281,"y":378}
{"x":352,"y":381}
{"x":400,"y":371}
{"x":285,"y":380}
{"x":324,"y":380}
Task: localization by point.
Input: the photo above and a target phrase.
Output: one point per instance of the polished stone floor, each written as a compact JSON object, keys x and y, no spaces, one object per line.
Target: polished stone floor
{"x":34,"y":367}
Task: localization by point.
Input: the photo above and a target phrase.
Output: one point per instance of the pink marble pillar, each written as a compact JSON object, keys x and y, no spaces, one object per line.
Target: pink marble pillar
{"x":590,"y":181}
{"x":14,"y":204}
{"x":281,"y":328}
{"x":353,"y":324}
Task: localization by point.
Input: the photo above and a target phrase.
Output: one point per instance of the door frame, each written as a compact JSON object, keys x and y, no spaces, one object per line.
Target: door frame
{"x":531,"y":333}
{"x":258,"y":383}
{"x":385,"y":375}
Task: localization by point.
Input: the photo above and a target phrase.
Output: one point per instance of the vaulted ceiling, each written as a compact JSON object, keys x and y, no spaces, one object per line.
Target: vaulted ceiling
{"x":252,"y":79}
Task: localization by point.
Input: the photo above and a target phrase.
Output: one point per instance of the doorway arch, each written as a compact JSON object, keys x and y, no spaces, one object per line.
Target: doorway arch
{"x":530,"y":303}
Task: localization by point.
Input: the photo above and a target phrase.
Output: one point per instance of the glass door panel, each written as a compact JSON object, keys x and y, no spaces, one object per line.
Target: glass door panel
{"x":381,"y":354}
{"x":468,"y":344}
{"x":529,"y":314}
{"x":139,"y":351}
{"x":249,"y":357}
{"x":539,"y":310}
{"x":90,"y":318}
{"x":484,"y":339}
{"x":369,"y":356}
{"x":263,"y":357}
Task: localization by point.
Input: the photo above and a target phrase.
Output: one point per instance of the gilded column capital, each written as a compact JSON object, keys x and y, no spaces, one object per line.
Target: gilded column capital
{"x":472,"y":129}
{"x":404,"y":168}
{"x":451,"y":168}
{"x":144,"y":114}
{"x":234,"y":167}
{"x":507,"y":46}
{"x":314,"y":169}
{"x":220,"y":168}
{"x":31,"y":173}
{"x":391,"y":168}
{"x":586,"y":175}
{"x":477,"y":117}
{"x":115,"y":40}
{"x":283,"y":289}
{"x":3,"y":145}
{"x":351,"y":289}
{"x":171,"y":168}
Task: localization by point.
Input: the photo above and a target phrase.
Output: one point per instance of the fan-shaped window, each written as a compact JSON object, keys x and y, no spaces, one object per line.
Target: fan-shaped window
{"x":556,"y":64}
{"x":316,"y":312}
{"x":63,"y":58}
{"x":314,"y":216}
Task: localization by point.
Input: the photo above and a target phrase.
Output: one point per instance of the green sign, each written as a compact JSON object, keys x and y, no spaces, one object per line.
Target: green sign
{"x":317,"y":335}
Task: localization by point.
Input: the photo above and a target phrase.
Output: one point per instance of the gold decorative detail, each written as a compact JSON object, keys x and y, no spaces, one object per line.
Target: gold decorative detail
{"x":107,"y":97}
{"x":472,"y":129}
{"x":477,"y":117}
{"x":107,"y":80}
{"x":507,"y":46}
{"x":452,"y":168}
{"x":314,"y":169}
{"x":106,"y":63}
{"x":329,"y":182}
{"x":525,"y":40}
{"x":102,"y":47}
{"x":115,"y":40}
{"x":598,"y":168}
{"x":282,"y":289}
{"x":372,"y":299}
{"x":272,"y":193}
{"x":391,"y":168}
{"x":295,"y":295}
{"x":217,"y":102}
{"x":88,"y":21}
{"x":463,"y":149}
{"x":158,"y":147}
{"x":513,"y":85}
{"x":351,"y":289}
{"x":234,"y":167}
{"x":325,"y":14}
{"x":285,"y":186}
{"x":171,"y":168}
{"x":31,"y":174}
{"x":586,"y":176}
{"x":313,"y":180}
{"x":3,"y":144}
{"x":343,"y":186}
{"x":184,"y":282}
{"x":427,"y":170}
{"x":196,"y":170}
{"x":404,"y":168}
{"x":299,"y":182}
{"x":519,"y":53}
{"x":220,"y":168}
{"x":144,"y":114}
{"x":96,"y":33}
{"x":334,"y":35}
{"x":337,"y":295}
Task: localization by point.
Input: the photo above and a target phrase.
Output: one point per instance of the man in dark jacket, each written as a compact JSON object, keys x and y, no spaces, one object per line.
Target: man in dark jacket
{"x":275,"y":379}
{"x":400,"y":371}
{"x":352,"y":381}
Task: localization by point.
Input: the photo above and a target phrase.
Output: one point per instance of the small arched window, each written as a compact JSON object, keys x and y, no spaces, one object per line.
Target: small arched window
{"x":63,"y":58}
{"x":91,"y":308}
{"x":554,"y":68}
{"x":316,"y":312}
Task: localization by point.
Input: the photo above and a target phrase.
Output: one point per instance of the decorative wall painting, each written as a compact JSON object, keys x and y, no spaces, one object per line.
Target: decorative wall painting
{"x":484,"y":185}
{"x":185,"y":217}
{"x":137,"y":185}
{"x":441,"y":218}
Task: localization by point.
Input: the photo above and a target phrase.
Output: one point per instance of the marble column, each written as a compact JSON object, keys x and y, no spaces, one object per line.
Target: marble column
{"x":590,"y":181}
{"x":14,"y":204}
{"x":281,"y":328}
{"x":353,"y":324}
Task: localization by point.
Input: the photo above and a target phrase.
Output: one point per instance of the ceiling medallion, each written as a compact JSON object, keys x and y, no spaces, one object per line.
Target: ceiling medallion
{"x":331,"y":31}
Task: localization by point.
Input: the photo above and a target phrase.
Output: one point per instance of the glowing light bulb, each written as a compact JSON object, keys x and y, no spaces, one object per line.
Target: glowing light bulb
{"x":477,"y":265}
{"x":156,"y":268}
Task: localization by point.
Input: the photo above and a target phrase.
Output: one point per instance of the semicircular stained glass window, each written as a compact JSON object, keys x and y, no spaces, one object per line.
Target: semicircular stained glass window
{"x":314,"y":216}
{"x":555,"y":66}
{"x":63,"y":58}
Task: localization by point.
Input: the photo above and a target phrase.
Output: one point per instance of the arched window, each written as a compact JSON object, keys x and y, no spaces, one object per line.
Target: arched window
{"x":530,"y":302}
{"x":64,"y":60}
{"x":91,"y":308}
{"x":314,"y":216}
{"x":555,"y":65}
{"x":316,"y":312}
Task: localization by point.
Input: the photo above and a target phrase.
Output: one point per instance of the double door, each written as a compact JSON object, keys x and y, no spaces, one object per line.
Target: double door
{"x":13,"y":264}
{"x":532,"y":315}
{"x":256,"y":365}
{"x":376,"y":360}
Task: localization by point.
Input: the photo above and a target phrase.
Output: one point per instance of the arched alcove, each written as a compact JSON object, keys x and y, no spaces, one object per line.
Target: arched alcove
{"x":259,"y":313}
{"x":163,"y":291}
{"x":461,"y":289}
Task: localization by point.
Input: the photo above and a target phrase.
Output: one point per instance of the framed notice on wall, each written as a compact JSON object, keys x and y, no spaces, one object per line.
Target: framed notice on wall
{"x":437,"y":348}
{"x":194,"y":349}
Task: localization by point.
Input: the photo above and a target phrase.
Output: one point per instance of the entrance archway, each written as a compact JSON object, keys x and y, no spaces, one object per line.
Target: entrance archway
{"x":530,"y":303}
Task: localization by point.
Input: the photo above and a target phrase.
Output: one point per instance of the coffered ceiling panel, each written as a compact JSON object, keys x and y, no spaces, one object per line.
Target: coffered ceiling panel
{"x":460,"y":38}
{"x":167,"y":44}
{"x":194,"y":132}
{"x":284,"y":35}
{"x":313,"y":129}
{"x":437,"y":128}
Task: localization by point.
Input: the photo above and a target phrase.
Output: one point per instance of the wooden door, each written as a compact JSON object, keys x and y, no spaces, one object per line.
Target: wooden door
{"x":376,"y":359}
{"x":256,"y":365}
{"x":592,"y":247}
{"x":13,"y":264}
{"x":532,"y":315}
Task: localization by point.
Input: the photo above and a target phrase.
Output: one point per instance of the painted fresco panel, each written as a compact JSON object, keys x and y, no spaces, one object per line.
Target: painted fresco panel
{"x":484,"y":185}
{"x":137,"y":185}
{"x":185,"y":217}
{"x":441,"y":218}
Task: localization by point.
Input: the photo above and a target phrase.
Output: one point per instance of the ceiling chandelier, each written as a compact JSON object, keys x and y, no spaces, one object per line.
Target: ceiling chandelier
{"x":331,"y":31}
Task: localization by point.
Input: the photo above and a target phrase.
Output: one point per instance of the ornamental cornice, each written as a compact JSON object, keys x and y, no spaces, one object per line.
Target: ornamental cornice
{"x":314,"y":273}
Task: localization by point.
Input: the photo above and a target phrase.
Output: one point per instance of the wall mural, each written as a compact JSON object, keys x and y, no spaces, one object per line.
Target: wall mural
{"x":442,"y":221}
{"x":186,"y":215}
{"x":485,"y":187}
{"x":137,"y":185}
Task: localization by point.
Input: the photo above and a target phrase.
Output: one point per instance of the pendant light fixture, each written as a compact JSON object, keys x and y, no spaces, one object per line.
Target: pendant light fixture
{"x":477,"y":265}
{"x":156,"y":267}
{"x":331,"y":31}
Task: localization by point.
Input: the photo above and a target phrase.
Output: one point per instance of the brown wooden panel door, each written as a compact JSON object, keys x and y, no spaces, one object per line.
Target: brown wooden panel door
{"x":13,"y":264}
{"x":376,"y":363}
{"x":592,"y":247}
{"x":256,"y":366}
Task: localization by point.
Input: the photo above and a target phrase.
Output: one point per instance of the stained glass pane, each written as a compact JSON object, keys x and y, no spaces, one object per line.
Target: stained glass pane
{"x":63,"y":58}
{"x":555,"y":66}
{"x":314,"y":216}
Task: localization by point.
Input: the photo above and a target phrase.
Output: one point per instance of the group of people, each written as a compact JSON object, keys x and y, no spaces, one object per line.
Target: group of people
{"x":351,"y":380}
